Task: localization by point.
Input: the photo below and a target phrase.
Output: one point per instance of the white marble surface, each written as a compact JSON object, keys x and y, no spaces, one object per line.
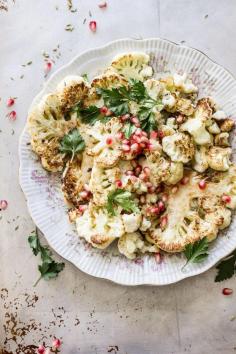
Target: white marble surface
{"x":189,"y":317}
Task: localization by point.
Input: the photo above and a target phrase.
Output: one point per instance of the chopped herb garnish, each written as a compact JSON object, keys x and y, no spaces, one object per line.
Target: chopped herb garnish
{"x":123,"y":198}
{"x":128,"y":129}
{"x":147,"y":112}
{"x":72,"y":143}
{"x":49,"y":269}
{"x":196,"y":252}
{"x":226,"y":268}
{"x":85,"y":77}
{"x":89,"y":115}
{"x":69,"y":27}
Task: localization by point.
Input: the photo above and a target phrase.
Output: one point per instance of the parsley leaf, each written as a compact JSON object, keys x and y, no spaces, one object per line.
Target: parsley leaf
{"x":117,"y":99}
{"x":128,"y":129}
{"x":146,"y":114}
{"x":85,"y":77}
{"x":49,"y":268}
{"x":72,"y":143}
{"x":123,"y":198}
{"x":226,"y":268}
{"x":196,"y":252}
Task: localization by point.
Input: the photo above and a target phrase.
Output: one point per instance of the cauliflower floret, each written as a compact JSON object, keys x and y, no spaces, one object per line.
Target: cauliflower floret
{"x":99,"y":228}
{"x":154,"y":88}
{"x":226,"y":125}
{"x":168,"y":100}
{"x":218,"y":115}
{"x":145,"y":225}
{"x":219,"y":158}
{"x":132,"y":66}
{"x":222,"y":139}
{"x":102,"y":182}
{"x":131,"y":222}
{"x":181,"y":82}
{"x":176,"y":173}
{"x":184,"y":106}
{"x":179,"y":147}
{"x":213,"y":128}
{"x":158,"y":165}
{"x":130,"y":244}
{"x":200,"y":162}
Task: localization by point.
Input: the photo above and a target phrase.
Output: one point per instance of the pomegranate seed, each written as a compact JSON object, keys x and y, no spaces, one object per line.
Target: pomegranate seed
{"x":144,"y":133}
{"x":41,"y":349}
{"x":137,"y":125}
{"x":125,"y":148}
{"x":120,"y":135}
{"x":82,"y":208}
{"x":137,"y":170}
{"x":109,"y":141}
{"x":103,"y":110}
{"x":134,"y":147}
{"x":184,"y":180}
{"x":174,"y":189}
{"x":125,"y":141}
{"x":161,"y":134}
{"x":149,"y":184}
{"x":102,"y":5}
{"x":12,"y":115}
{"x":118,"y":183}
{"x":151,"y":190}
{"x":129,"y":173}
{"x":133,"y":179}
{"x":142,"y":176}
{"x":144,"y":139}
{"x":150,"y":147}
{"x":10,"y":102}
{"x":164,"y":198}
{"x":154,"y":210}
{"x":202,"y":184}
{"x":125,"y":117}
{"x":93,"y":26}
{"x":3,"y":204}
{"x":158,"y":258}
{"x":138,"y":132}
{"x":180,"y":119}
{"x":142,"y":199}
{"x":147,"y":171}
{"x":47,"y":67}
{"x":161,"y":206}
{"x":153,"y":135}
{"x":84,"y":194}
{"x":227,"y":291}
{"x":164,"y":221}
{"x":137,"y":139}
{"x":56,"y":343}
{"x":226,"y":198}
{"x":134,"y":120}
{"x":142,"y":145}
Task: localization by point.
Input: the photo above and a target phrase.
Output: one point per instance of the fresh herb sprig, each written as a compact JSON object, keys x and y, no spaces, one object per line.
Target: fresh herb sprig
{"x":72,"y":143}
{"x":226,"y":268}
{"x":196,"y":252}
{"x":49,"y":268}
{"x":123,"y":198}
{"x":89,"y":115}
{"x":128,"y":129}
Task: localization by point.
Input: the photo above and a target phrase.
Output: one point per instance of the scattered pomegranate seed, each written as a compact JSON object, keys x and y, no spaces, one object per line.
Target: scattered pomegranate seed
{"x":153,"y":135}
{"x":109,"y":141}
{"x":161,"y":134}
{"x":202,"y":184}
{"x":184,"y":180}
{"x":226,"y":198}
{"x":138,"y":132}
{"x":142,"y":176}
{"x":56,"y":343}
{"x":144,"y":133}
{"x":125,"y":117}
{"x":180,"y":119}
{"x":125,"y":141}
{"x":133,"y":179}
{"x":164,"y":198}
{"x":10,"y":102}
{"x":164,"y":221}
{"x":134,"y":163}
{"x":3,"y":204}
{"x":151,"y":190}
{"x":86,"y":187}
{"x":129,"y":173}
{"x":142,"y":145}
{"x":82,"y":208}
{"x":93,"y":26}
{"x":102,"y":5}
{"x":161,"y":206}
{"x":149,"y":184}
{"x":118,"y":183}
{"x":150,"y":147}
{"x":144,"y":139}
{"x":41,"y":349}
{"x":138,"y":169}
{"x":84,"y":194}
{"x":227,"y":291}
{"x":120,"y":135}
{"x":125,"y":148}
{"x":134,"y":147}
{"x":47,"y":67}
{"x":158,"y":258}
{"x":137,"y":139}
{"x":147,"y":171}
{"x":12,"y":115}
{"x":155,"y":210}
{"x":174,"y":189}
{"x":103,"y":110}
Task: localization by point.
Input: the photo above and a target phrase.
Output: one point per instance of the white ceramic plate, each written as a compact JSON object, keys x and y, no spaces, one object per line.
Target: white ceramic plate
{"x":42,"y":190}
